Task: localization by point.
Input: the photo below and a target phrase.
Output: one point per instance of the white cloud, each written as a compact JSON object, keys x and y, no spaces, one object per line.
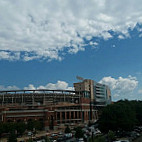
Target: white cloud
{"x":61,"y":85}
{"x":121,"y":37}
{"x":121,"y":87}
{"x":140,"y":91}
{"x":46,"y":29}
{"x":9,"y":55}
{"x":140,"y":35}
{"x":93,"y":44}
{"x":114,"y":46}
{"x":30,"y":87}
{"x":8,"y":87}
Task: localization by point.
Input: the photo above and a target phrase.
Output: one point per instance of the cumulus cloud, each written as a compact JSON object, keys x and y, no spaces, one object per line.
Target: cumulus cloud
{"x":140,"y":91}
{"x":121,"y":37}
{"x":30,"y":87}
{"x":9,"y":55}
{"x":93,"y":44}
{"x":2,"y":88}
{"x":46,"y":29}
{"x":61,"y":85}
{"x":121,"y":87}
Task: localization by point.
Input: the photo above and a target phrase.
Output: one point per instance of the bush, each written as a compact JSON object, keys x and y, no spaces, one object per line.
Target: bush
{"x":79,"y":133}
{"x":67,"y":130}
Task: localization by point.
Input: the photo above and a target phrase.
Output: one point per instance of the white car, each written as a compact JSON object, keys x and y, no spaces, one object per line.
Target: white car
{"x":30,"y":133}
{"x":122,"y":141}
{"x":80,"y":140}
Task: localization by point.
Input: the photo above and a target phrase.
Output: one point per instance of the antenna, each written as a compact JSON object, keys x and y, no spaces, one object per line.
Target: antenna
{"x":79,"y":78}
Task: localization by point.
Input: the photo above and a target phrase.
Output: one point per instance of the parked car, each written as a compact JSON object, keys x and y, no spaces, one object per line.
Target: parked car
{"x":68,"y":135}
{"x":30,"y":133}
{"x":80,"y":140}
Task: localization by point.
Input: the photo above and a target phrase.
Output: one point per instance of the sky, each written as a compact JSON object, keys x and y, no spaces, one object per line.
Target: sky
{"x":45,"y":44}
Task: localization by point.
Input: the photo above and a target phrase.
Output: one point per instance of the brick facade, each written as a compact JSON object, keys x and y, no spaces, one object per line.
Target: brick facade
{"x":54,"y":109}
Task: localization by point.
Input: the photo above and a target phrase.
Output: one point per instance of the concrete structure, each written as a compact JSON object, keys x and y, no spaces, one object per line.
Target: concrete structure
{"x":56,"y":108}
{"x":100,"y":94}
{"x":86,"y":85}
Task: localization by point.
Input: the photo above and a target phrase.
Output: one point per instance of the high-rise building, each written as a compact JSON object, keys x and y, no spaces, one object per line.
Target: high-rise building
{"x":86,"y":86}
{"x":100,"y":94}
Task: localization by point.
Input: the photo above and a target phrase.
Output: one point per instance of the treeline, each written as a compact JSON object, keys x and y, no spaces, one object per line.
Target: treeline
{"x":122,"y":115}
{"x":20,"y":127}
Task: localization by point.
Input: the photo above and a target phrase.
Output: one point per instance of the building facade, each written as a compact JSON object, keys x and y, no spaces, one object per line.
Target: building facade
{"x":55,"y":108}
{"x":100,"y":94}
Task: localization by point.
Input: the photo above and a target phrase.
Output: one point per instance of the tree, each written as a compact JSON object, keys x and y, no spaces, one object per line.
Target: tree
{"x":111,"y":136}
{"x":97,"y":139}
{"x":79,"y":133}
{"x":38,"y":125}
{"x":67,"y":130}
{"x":12,"y":137}
{"x":1,"y":128}
{"x":30,"y":140}
{"x":47,"y":139}
{"x":9,"y":127}
{"x":21,"y":127}
{"x":30,"y":125}
{"x":34,"y":124}
{"x":118,"y":116}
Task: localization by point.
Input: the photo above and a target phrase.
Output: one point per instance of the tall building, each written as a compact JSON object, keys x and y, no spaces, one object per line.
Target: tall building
{"x":100,"y":94}
{"x":86,"y":85}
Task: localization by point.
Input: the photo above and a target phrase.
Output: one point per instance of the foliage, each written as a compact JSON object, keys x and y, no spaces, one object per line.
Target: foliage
{"x":30,"y":140}
{"x":20,"y":127}
{"x":111,"y":136}
{"x":79,"y":132}
{"x":97,"y":139}
{"x":90,"y":123}
{"x":34,"y":124}
{"x":67,"y":130}
{"x":9,"y":127}
{"x":12,"y":137}
{"x":47,"y":139}
{"x":118,"y":116}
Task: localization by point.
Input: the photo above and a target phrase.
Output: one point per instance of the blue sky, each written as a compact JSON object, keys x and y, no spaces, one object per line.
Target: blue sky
{"x":46,"y":44}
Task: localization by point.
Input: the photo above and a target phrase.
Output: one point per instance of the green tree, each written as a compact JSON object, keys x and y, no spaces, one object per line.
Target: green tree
{"x":12,"y":137}
{"x":67,"y":130}
{"x":38,"y":125}
{"x":34,"y":124}
{"x":138,"y":109}
{"x":9,"y":127}
{"x":79,"y":133}
{"x":20,"y":127}
{"x":47,"y":139}
{"x":111,"y":136}
{"x":118,"y":116}
{"x":30,"y":140}
{"x":97,"y":139}
{"x":30,"y":125}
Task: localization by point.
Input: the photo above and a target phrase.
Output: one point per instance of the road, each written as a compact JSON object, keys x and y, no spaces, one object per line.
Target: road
{"x":139,"y":139}
{"x":71,"y":140}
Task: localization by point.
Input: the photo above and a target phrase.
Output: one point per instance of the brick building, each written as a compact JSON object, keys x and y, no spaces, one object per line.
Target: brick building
{"x":56,"y":108}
